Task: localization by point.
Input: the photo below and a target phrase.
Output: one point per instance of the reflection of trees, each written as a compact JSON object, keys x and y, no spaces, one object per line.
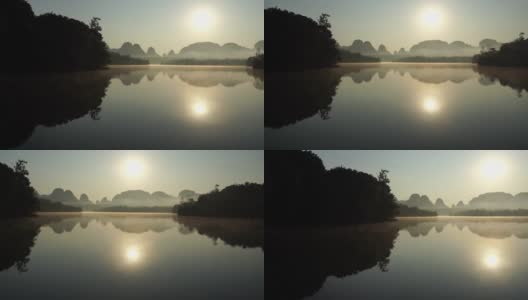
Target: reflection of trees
{"x":17,"y":237}
{"x":48,"y":100}
{"x":514,"y":78}
{"x":129,"y":223}
{"x":234,"y":232}
{"x":496,"y":228}
{"x":292,"y":97}
{"x":51,"y":99}
{"x":298,"y":261}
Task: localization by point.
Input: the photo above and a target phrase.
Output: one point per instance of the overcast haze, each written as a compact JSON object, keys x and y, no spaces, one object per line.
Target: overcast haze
{"x":450,"y":175}
{"x":164,"y":24}
{"x":395,"y":23}
{"x":104,"y":173}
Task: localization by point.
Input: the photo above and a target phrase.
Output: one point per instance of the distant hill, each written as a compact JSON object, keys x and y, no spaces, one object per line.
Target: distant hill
{"x":67,"y":197}
{"x":499,"y":200}
{"x":209,"y":50}
{"x":429,"y":48}
{"x":487,"y":201}
{"x":199,"y":51}
{"x":132,"y":198}
{"x":132,"y":50}
{"x":441,"y":48}
{"x":363,"y":48}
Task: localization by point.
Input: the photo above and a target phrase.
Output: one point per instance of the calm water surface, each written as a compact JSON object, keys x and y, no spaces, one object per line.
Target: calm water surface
{"x":398,"y":106}
{"x":414,"y":258}
{"x":120,"y":256}
{"x":156,"y":107}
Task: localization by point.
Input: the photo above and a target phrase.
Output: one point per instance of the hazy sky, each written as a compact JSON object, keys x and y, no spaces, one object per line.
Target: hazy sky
{"x":106,"y":173}
{"x":450,"y":175}
{"x":166,"y":24}
{"x":403,"y":23}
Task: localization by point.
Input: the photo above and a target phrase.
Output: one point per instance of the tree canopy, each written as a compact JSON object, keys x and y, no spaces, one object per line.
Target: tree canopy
{"x":49,"y":42}
{"x":514,"y":54}
{"x":18,"y":197}
{"x":300,"y":191}
{"x":298,"y":42}
{"x":235,"y":201}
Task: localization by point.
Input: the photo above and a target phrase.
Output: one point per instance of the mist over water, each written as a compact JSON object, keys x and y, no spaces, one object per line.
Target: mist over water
{"x":397,"y":106}
{"x":123,"y":256}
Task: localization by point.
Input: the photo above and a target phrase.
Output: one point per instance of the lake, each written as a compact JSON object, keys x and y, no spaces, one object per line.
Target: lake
{"x":413,"y":258}
{"x":131,"y":256}
{"x":135,"y":107}
{"x":398,"y":106}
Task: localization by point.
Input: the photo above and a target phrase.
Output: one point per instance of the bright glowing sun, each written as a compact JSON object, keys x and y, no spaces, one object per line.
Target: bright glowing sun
{"x":200,"y":109}
{"x":134,"y":167}
{"x":431,"y":105}
{"x":431,"y":18}
{"x":491,"y":261}
{"x":132,"y":254}
{"x":493,"y":168}
{"x":202,"y":19}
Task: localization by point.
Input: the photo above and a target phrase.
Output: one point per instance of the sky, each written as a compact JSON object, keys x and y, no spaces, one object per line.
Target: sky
{"x":451,"y":175}
{"x":106,"y":173}
{"x":166,"y":24}
{"x":403,"y":23}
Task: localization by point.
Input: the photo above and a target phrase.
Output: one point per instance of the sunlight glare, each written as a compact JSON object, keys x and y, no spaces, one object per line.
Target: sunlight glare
{"x":431,"y":18}
{"x":493,"y":168}
{"x":134,"y":167}
{"x":491,"y":261}
{"x":202,"y":19}
{"x":431,"y":105}
{"x":200,"y":108}
{"x":132,"y":254}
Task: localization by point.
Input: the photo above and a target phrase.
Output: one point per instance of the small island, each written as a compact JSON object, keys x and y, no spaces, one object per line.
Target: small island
{"x":513,"y":54}
{"x":235,"y":201}
{"x":301,"y":192}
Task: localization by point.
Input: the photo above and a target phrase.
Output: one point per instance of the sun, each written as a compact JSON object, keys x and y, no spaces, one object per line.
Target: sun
{"x":134,"y":167}
{"x":200,"y":108}
{"x":132,"y":254}
{"x":431,"y":18}
{"x":202,"y":19}
{"x":431,"y":105}
{"x":493,"y":168}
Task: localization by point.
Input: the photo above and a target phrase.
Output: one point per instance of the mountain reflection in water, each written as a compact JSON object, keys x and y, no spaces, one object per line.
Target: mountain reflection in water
{"x":397,"y":106}
{"x":131,"y":256}
{"x":475,"y":257}
{"x":127,"y":107}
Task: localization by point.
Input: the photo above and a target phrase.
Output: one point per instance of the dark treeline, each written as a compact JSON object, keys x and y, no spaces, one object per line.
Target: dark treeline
{"x":440,"y":59}
{"x":514,"y":54}
{"x":150,"y":209}
{"x":235,"y":201}
{"x":485,"y":212}
{"x":206,"y":62}
{"x":298,"y":42}
{"x":256,"y":62}
{"x":406,"y":211}
{"x":118,"y":59}
{"x":46,"y":205}
{"x":48,"y":42}
{"x":349,"y":57}
{"x":18,"y":196}
{"x":300,"y":191}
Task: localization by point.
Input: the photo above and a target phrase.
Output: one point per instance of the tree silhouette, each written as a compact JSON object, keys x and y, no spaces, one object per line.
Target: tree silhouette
{"x":300,"y":191}
{"x":18,"y":199}
{"x":513,"y":54}
{"x":298,"y":42}
{"x":235,"y":201}
{"x":49,"y":42}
